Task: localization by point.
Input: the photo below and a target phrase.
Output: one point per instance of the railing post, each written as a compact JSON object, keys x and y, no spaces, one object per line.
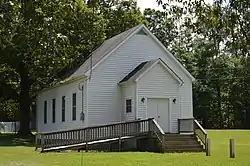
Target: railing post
{"x":36,"y":141}
{"x":119,"y":140}
{"x":205,"y":141}
{"x":193,"y":126}
{"x":149,"y":127}
{"x":162,"y":143}
{"x":231,"y":147}
{"x":208,"y":147}
{"x":42,"y":143}
{"x":137,"y":127}
{"x":179,"y":126}
{"x":79,"y":136}
{"x":87,"y":139}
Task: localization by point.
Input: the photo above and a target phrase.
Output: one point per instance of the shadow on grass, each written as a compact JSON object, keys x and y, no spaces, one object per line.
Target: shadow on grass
{"x":11,"y":139}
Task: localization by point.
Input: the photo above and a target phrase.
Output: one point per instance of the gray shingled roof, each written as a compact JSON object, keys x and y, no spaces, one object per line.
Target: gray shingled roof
{"x":138,"y":71}
{"x":102,"y":51}
{"x":141,"y":68}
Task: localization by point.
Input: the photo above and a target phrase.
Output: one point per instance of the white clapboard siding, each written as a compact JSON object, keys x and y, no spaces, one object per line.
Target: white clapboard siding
{"x":128,"y":92}
{"x":143,"y":47}
{"x":105,"y":100}
{"x":159,"y":83}
{"x":186,"y":100}
{"x":66,"y":90}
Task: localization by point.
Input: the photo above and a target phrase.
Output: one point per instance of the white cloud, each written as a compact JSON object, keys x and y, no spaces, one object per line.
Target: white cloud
{"x":152,"y":4}
{"x":147,"y":4}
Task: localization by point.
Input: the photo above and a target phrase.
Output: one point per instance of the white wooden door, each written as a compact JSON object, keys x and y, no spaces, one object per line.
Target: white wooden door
{"x":152,"y":108}
{"x":158,"y":108}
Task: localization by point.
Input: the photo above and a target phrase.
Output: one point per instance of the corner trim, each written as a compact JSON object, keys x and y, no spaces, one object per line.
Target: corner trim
{"x":136,"y":101}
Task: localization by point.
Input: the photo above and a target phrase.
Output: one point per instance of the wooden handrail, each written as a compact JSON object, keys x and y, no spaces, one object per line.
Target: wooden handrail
{"x":191,"y":125}
{"x":201,"y":128}
{"x":204,"y":133}
{"x":159,"y":133}
{"x":158,"y":126}
{"x":97,"y":126}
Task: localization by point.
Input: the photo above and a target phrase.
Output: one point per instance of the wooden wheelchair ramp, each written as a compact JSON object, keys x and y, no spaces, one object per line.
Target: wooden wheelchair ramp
{"x":79,"y":138}
{"x":83,"y":145}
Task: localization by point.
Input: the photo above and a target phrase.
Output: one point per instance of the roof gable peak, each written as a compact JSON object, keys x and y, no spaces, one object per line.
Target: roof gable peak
{"x":137,"y":73}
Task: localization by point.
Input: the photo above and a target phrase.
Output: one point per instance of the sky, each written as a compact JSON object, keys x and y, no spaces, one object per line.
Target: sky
{"x":152,"y":4}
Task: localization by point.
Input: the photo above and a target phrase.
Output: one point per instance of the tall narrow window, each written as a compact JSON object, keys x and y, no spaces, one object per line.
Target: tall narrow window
{"x":63,"y":109}
{"x":53,"y":110}
{"x":74,"y":106}
{"x":45,"y":112}
{"x":128,"y":106}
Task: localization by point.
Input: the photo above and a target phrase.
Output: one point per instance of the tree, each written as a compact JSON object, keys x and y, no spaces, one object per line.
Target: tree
{"x":42,"y":39}
{"x":218,"y":52}
{"x":162,"y":26}
{"x":38,"y":39}
{"x":9,"y":110}
{"x":120,"y":15}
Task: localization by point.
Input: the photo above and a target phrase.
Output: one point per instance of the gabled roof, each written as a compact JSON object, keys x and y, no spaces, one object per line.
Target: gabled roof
{"x":137,"y":70}
{"x":78,"y":71}
{"x":109,"y":46}
{"x":142,"y":68}
{"x":102,"y":51}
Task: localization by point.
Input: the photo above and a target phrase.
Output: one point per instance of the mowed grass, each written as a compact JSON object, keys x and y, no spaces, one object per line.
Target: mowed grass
{"x":11,"y":154}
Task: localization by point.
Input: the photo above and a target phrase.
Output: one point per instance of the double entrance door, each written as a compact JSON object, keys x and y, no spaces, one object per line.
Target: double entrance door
{"x":158,"y":108}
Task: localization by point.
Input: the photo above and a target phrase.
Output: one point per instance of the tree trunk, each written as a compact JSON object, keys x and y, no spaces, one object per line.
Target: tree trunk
{"x":246,"y":122}
{"x":248,"y":119}
{"x":24,"y":105}
{"x":219,"y":106}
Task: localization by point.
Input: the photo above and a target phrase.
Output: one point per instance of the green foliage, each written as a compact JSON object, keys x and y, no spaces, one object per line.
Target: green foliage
{"x":217,"y":54}
{"x":45,"y":36}
{"x":161,"y":25}
{"x":120,"y":15}
{"x":9,"y":110}
{"x":40,"y":38}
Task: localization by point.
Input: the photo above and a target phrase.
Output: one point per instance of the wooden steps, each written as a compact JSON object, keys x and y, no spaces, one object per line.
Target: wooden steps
{"x":181,"y":143}
{"x":193,"y":150}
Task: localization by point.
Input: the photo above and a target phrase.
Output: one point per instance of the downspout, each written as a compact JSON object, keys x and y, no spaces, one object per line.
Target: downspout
{"x":122,"y":97}
{"x":87,"y":102}
{"x":81,"y":87}
{"x":180,"y":104}
{"x":91,"y":65}
{"x":136,"y":101}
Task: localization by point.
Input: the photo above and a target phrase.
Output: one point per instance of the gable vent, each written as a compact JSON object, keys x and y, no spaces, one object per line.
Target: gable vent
{"x":141,"y":32}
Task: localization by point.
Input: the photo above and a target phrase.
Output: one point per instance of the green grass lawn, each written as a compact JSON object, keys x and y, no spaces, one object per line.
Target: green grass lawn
{"x":15,"y":153}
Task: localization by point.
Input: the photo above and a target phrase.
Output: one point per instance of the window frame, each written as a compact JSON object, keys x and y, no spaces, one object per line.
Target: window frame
{"x":53,"y":110}
{"x":128,"y":106}
{"x":74,"y":106}
{"x":63,"y":108}
{"x":45,"y":112}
